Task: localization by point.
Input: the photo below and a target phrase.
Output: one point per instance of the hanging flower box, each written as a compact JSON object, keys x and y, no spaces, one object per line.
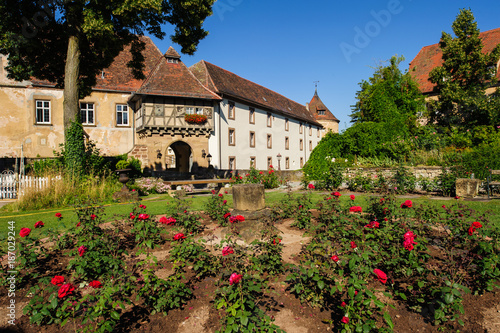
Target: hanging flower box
{"x":195,"y":118}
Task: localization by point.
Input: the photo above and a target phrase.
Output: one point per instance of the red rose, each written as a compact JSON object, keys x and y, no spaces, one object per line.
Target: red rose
{"x":372,"y":225}
{"x":235,"y":278}
{"x":163,"y":220}
{"x":78,"y":224}
{"x":81,"y":250}
{"x":227,"y":251}
{"x":382,"y":277}
{"x":477,"y":225}
{"x":352,"y":196}
{"x":142,"y":206}
{"x":345,"y":320}
{"x":409,"y":240}
{"x":224,"y":202}
{"x":24,"y":232}
{"x":311,"y":187}
{"x":274,"y":241}
{"x":213,"y":191}
{"x":143,"y":216}
{"x":227,"y":215}
{"x":65,"y":290}
{"x":39,"y":224}
{"x":343,"y":304}
{"x":407,"y":204}
{"x":179,"y":236}
{"x":353,"y":245}
{"x":58,"y":215}
{"x":356,"y":209}
{"x":220,"y":195}
{"x":335,"y":258}
{"x":337,"y":194}
{"x":93,"y":216}
{"x":57,"y":280}
{"x":95,"y":284}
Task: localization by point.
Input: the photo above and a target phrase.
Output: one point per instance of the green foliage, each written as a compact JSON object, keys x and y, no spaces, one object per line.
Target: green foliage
{"x":389,"y":96}
{"x":74,"y":149}
{"x":463,"y":78}
{"x":132,"y":163}
{"x":404,"y":180}
{"x":146,"y":231}
{"x":216,"y":208}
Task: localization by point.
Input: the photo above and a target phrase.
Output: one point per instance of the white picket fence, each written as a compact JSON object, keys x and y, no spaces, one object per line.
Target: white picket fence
{"x":12,"y":186}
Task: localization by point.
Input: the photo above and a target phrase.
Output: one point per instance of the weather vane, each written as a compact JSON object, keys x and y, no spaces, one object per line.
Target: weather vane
{"x":316,"y":84}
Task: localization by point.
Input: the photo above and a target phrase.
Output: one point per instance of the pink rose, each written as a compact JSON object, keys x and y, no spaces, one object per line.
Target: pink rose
{"x":227,"y":251}
{"x":81,"y":250}
{"x":235,"y":278}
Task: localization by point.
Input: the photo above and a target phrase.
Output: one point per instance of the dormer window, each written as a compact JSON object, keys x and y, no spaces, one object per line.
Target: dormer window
{"x":321,"y":112}
{"x":172,"y":60}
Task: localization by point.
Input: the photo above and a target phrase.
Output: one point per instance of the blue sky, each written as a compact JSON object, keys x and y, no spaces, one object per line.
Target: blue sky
{"x":287,"y":45}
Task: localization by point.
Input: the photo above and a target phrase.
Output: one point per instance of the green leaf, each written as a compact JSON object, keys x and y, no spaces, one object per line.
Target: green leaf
{"x":115,"y":315}
{"x":244,"y":321}
{"x":321,"y":284}
{"x":388,"y":320}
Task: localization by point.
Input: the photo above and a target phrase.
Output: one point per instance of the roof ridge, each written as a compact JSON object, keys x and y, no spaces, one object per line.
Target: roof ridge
{"x":256,"y":84}
{"x":194,"y":76}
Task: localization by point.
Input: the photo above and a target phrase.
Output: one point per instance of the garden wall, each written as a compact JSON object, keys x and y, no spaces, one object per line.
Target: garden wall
{"x":429,"y":172}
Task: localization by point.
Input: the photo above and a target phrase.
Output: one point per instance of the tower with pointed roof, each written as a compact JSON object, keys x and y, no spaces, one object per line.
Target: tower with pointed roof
{"x":322,"y":114}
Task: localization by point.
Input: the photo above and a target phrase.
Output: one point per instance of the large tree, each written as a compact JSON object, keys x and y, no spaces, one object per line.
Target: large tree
{"x":388,"y":96}
{"x":462,"y":80}
{"x":69,"y":42}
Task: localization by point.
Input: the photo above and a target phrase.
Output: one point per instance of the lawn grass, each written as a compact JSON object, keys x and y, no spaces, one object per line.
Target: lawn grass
{"x":157,"y":205}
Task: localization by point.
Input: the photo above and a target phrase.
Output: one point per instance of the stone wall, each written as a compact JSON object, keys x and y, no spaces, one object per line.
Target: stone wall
{"x":430,"y":172}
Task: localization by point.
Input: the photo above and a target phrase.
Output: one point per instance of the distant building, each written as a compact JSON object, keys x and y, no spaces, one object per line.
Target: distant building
{"x":323,"y":114}
{"x":430,"y":57}
{"x":239,"y":123}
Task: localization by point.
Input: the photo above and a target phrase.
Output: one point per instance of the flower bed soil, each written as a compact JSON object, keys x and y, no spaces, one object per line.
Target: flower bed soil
{"x":482,"y":312}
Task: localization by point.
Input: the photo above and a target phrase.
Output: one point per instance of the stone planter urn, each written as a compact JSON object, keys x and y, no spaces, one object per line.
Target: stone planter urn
{"x":123,"y":178}
{"x":124,"y":195}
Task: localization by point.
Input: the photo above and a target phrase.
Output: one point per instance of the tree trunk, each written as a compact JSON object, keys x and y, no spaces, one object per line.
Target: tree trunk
{"x":71,"y":74}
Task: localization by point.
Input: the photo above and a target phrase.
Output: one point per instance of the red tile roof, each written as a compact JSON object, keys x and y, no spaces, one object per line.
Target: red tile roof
{"x":430,"y":57}
{"x":234,"y":86}
{"x":174,"y":79}
{"x":316,"y":104}
{"x":119,"y":77}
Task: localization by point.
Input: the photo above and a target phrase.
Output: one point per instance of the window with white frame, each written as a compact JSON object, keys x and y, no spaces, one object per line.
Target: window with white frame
{"x":252,"y":162}
{"x":122,"y":115}
{"x":251,"y":119}
{"x":269,"y":120}
{"x":300,"y":128}
{"x":42,"y":109}
{"x":252,"y":139}
{"x":287,"y":124}
{"x":269,"y":141}
{"x":310,"y":145}
{"x":287,"y":163}
{"x":310,"y":130}
{"x":301,"y":144}
{"x":87,"y":113}
{"x":232,"y":137}
{"x":231,"y":111}
{"x":269,"y":162}
{"x":301,"y":162}
{"x":287,"y":143}
{"x":199,"y":110}
{"x":232,"y":163}
{"x":189,"y":110}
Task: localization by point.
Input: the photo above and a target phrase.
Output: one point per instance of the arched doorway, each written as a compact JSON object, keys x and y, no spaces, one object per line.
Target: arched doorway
{"x":178,"y":157}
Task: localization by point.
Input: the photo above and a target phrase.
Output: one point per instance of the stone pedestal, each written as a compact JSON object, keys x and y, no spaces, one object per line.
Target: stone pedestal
{"x":248,"y":197}
{"x":249,"y":201}
{"x":467,"y":188}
